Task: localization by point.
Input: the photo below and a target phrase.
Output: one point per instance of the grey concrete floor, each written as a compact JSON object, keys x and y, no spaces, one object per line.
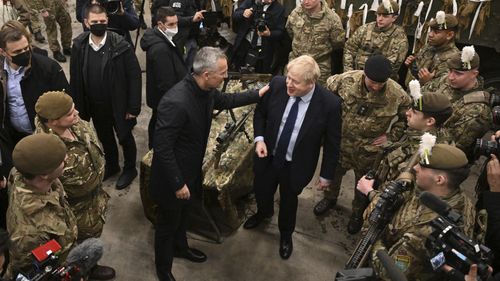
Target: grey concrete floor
{"x":321,"y":244}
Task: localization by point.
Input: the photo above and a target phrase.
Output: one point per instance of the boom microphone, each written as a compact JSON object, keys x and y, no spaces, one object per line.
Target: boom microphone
{"x":395,"y":274}
{"x":86,"y":254}
{"x":439,"y":206}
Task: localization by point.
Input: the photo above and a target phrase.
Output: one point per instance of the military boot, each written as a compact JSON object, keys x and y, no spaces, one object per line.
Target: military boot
{"x":39,"y":37}
{"x":324,"y":205}
{"x":355,"y":223}
{"x":58,"y":56}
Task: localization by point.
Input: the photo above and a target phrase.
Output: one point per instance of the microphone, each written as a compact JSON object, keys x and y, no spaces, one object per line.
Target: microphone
{"x":439,"y":206}
{"x":86,"y":254}
{"x":395,"y":274}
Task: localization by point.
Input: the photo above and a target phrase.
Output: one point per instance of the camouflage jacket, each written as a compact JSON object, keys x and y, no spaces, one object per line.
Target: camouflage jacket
{"x":369,"y":40}
{"x":44,"y":5}
{"x":471,"y":117}
{"x":35,"y":218}
{"x":399,"y":153}
{"x":407,"y":233}
{"x":82,"y":178}
{"x":315,"y":35}
{"x":382,"y":113}
{"x":434,"y":59}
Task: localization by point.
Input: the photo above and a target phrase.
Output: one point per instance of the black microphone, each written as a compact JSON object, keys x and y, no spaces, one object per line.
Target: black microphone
{"x":439,"y":206}
{"x":395,"y":274}
{"x":86,"y":254}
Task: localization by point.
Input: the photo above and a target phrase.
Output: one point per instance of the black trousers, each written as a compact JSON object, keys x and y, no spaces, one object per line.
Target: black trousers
{"x":265,"y":184}
{"x":170,"y":237}
{"x":104,"y":123}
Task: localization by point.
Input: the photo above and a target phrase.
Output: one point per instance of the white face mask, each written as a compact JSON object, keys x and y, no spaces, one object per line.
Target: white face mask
{"x":171,"y":32}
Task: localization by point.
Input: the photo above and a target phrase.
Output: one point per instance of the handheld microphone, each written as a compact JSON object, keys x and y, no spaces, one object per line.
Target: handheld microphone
{"x":395,"y":274}
{"x":86,"y":254}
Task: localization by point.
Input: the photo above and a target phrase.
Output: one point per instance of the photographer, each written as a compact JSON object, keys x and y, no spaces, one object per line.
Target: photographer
{"x":122,"y":16}
{"x":260,"y":27}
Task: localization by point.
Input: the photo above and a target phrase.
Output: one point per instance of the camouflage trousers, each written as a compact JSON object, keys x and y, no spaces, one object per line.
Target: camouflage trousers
{"x":57,"y":15}
{"x":325,"y":68}
{"x":90,"y":213}
{"x":360,"y":201}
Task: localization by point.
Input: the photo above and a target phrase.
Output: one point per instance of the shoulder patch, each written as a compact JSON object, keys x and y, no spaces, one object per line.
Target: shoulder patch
{"x":477,"y":97}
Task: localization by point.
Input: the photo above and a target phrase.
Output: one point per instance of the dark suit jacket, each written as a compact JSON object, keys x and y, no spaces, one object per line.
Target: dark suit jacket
{"x":321,"y":126}
{"x":181,"y":135}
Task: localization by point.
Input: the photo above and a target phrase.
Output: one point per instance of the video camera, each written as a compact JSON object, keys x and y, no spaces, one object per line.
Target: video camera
{"x":487,"y":147}
{"x":112,"y":6}
{"x":449,"y":245}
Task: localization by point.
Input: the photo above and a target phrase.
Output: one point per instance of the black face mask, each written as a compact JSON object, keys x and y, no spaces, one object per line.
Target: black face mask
{"x":22,"y":59}
{"x":98,"y":29}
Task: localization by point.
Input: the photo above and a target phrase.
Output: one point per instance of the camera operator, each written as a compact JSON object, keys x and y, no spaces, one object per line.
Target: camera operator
{"x":261,"y":24}
{"x":440,"y":172}
{"x":122,"y":17}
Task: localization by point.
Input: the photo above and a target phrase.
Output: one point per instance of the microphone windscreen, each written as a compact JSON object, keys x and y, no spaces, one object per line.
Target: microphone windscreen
{"x":434,"y":203}
{"x":395,"y":274}
{"x":86,"y":254}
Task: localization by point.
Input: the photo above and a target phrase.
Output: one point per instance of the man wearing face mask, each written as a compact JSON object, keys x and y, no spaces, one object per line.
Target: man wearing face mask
{"x":106,"y":86}
{"x":25,"y":76}
{"x":164,"y":63}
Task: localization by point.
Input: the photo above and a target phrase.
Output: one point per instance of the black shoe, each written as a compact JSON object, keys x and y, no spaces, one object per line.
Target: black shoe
{"x":101,"y":272}
{"x":324,"y":205}
{"x":126,"y":178}
{"x":67,"y":51}
{"x":355,"y":224}
{"x":286,"y":248}
{"x":192,"y":254}
{"x":109,"y":172}
{"x":58,"y":56}
{"x":254,"y":221}
{"x":39,"y":37}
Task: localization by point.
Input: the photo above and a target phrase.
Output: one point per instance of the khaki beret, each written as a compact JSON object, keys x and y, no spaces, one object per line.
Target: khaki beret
{"x":433,"y":103}
{"x":455,"y":62}
{"x":53,"y":105}
{"x":446,"y":157}
{"x":451,"y":22}
{"x":39,"y":154}
{"x":384,"y":11}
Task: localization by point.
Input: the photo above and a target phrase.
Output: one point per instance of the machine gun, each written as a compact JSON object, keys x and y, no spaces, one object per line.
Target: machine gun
{"x":390,"y":200}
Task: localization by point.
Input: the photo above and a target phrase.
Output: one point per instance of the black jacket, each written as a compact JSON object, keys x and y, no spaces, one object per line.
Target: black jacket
{"x":165,"y":66}
{"x":181,"y":135}
{"x":275,"y":21}
{"x":491,"y":202}
{"x":122,"y":73}
{"x":44,"y":75}
{"x":322,"y":125}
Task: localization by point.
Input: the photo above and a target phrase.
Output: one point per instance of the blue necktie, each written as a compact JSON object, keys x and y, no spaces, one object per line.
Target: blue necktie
{"x":286,"y":134}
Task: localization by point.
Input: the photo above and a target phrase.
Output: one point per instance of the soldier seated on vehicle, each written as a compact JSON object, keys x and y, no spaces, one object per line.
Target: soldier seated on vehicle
{"x":439,"y":172}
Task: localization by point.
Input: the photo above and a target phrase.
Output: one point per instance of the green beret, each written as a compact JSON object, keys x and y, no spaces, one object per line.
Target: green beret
{"x":53,"y":105}
{"x":381,"y":10}
{"x":39,"y":154}
{"x":455,"y":62}
{"x":378,"y":68}
{"x":433,"y":103}
{"x":451,"y":22}
{"x":446,"y":157}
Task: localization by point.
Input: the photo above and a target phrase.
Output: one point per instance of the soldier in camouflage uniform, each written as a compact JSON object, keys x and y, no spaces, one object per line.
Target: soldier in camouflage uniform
{"x":429,"y":64}
{"x":379,"y":37}
{"x":38,"y":210}
{"x":54,"y":12}
{"x":84,"y":165}
{"x":29,"y":18}
{"x":471,"y":117}
{"x":428,"y":114}
{"x":373,"y":112}
{"x":315,"y":30}
{"x":407,"y":233}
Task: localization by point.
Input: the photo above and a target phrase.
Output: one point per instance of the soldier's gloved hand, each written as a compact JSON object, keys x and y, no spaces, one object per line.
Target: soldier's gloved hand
{"x":365,"y":185}
{"x":409,"y":60}
{"x":424,"y":75}
{"x":261,"y":149}
{"x":183,"y":193}
{"x":248,"y":13}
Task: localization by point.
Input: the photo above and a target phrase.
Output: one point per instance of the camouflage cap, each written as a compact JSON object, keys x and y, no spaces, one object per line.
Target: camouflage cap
{"x":457,"y":62}
{"x":53,"y":105}
{"x":431,"y":102}
{"x":446,"y":157}
{"x":388,"y":7}
{"x":450,"y":22}
{"x":39,"y":154}
{"x":378,"y":68}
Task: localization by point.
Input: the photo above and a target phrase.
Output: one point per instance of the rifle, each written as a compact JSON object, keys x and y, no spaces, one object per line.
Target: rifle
{"x":390,"y":200}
